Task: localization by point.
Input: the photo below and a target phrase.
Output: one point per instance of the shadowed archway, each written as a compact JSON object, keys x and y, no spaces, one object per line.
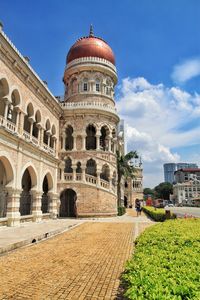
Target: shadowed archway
{"x":68,"y":203}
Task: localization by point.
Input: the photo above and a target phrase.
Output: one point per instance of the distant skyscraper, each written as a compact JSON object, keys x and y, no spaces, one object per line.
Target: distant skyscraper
{"x":170,"y":168}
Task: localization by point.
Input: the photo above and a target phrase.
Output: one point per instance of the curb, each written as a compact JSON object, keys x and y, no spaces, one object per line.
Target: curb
{"x":36,"y":239}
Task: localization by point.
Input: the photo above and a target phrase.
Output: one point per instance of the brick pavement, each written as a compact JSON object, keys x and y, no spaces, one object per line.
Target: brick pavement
{"x":84,"y":263}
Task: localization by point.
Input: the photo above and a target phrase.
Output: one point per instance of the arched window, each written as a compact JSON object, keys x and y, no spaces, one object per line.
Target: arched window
{"x":90,"y":137}
{"x":105,"y":174}
{"x":104,"y":138}
{"x":27,"y":118}
{"x":68,"y":165}
{"x":36,"y":124}
{"x":91,"y":167}
{"x":69,"y":138}
{"x":78,"y":168}
{"x":12,"y":110}
{"x":126,"y":184}
{"x":4,"y":91}
{"x":97,"y":85}
{"x":47,"y":132}
{"x":85,"y":85}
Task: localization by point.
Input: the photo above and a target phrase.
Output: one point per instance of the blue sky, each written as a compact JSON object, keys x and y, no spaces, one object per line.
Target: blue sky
{"x":157,"y":49}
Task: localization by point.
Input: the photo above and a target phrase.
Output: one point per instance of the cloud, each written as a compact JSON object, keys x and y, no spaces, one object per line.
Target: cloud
{"x":186,"y":70}
{"x":158,"y":119}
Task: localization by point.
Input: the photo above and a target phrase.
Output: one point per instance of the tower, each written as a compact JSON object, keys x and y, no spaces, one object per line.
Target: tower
{"x":88,"y":131}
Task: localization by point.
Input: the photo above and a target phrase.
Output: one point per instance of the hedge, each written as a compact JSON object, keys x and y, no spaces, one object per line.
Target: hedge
{"x":157,"y":214}
{"x":166,"y":264}
{"x":121,"y":210}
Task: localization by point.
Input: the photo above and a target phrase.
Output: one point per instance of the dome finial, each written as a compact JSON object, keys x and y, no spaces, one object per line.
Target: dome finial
{"x":91,"y":30}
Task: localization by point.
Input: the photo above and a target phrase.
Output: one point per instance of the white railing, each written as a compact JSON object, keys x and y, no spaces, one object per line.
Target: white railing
{"x":26,"y":135}
{"x":105,"y":184}
{"x":35,"y":140}
{"x":89,"y":105}
{"x":89,"y":60}
{"x":90,"y":179}
{"x":68,"y":176}
{"x":7,"y":124}
{"x":78,"y":176}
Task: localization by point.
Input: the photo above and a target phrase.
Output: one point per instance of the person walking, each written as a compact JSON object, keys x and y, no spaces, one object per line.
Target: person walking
{"x":138,"y":207}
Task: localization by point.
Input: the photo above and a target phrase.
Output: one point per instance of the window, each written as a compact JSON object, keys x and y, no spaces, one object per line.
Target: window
{"x":85,"y":87}
{"x":97,"y":87}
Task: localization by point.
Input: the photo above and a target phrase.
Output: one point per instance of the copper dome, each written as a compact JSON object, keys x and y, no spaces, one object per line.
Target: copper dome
{"x":91,"y":46}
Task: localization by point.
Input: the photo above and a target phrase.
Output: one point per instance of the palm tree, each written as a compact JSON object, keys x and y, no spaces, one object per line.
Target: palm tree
{"x":124,"y":168}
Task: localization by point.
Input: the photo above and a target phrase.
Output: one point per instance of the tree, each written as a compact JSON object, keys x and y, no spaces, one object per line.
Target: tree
{"x":163,"y":190}
{"x":148,"y":191}
{"x":124,"y":168}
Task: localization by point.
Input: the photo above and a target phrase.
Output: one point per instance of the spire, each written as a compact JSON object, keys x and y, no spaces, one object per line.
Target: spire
{"x":91,"y":31}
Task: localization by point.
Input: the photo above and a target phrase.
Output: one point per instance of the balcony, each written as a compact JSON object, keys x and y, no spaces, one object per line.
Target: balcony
{"x":88,"y":179}
{"x":13,"y":129}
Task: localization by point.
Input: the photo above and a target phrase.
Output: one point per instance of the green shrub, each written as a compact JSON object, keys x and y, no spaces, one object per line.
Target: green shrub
{"x":166,"y":264}
{"x":121,"y":210}
{"x":157,"y":214}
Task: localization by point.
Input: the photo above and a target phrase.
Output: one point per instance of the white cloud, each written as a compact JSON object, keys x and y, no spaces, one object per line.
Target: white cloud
{"x":158,"y":119}
{"x":186,"y":70}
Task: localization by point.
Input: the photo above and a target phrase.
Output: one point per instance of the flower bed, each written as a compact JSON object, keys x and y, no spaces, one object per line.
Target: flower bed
{"x":157,"y":214}
{"x":166,"y":262}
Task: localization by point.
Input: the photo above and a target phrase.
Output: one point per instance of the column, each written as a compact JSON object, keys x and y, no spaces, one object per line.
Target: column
{"x":98,"y":141}
{"x":41,"y":136}
{"x":83,"y":142}
{"x":109,"y":144}
{"x":39,"y":132}
{"x":13,"y":203}
{"x":53,"y":210}
{"x":17,"y":118}
{"x":64,"y":141}
{"x":98,"y":178}
{"x":74,"y":144}
{"x":31,"y":127}
{"x":74,"y":172}
{"x":83,"y":173}
{"x":7,"y":102}
{"x":49,"y":139}
{"x":36,"y":205}
{"x":21,"y":122}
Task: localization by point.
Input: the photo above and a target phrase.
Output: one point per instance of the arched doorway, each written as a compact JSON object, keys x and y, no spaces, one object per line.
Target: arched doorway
{"x":45,"y":196}
{"x":6,"y":177}
{"x":68,"y":203}
{"x":25,"y":198}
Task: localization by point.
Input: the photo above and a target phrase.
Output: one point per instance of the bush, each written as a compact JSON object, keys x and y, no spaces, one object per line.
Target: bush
{"x":121,"y":210}
{"x":166,"y":264}
{"x":157,"y":214}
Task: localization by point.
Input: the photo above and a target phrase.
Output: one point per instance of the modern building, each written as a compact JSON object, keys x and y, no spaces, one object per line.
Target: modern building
{"x":187,"y":187}
{"x":58,"y":154}
{"x":170,"y":168}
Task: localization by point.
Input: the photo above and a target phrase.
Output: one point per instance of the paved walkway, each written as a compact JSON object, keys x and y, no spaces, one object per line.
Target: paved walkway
{"x":83,"y":263}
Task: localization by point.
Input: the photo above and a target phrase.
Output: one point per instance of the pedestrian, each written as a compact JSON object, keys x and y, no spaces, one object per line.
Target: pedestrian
{"x":138,"y":207}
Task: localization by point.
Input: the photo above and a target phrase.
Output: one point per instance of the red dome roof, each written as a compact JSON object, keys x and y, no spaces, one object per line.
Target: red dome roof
{"x":91,"y":46}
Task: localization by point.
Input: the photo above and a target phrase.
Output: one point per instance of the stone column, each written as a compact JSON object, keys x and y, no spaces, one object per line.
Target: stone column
{"x":62,"y":167}
{"x":64,"y":141}
{"x":74,"y":144}
{"x":98,"y":178}
{"x":13,"y":203}
{"x":39,"y":132}
{"x":49,"y":139}
{"x":109,"y":144}
{"x":31,"y":128}
{"x":17,"y":118}
{"x":83,"y":142}
{"x":98,"y":141}
{"x":83,"y":173}
{"x":7,"y":102}
{"x":53,"y":205}
{"x":21,"y":122}
{"x":36,"y":205}
{"x":74,"y":172}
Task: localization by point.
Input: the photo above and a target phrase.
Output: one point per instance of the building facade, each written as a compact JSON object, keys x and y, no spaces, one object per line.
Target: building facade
{"x":170,"y":168}
{"x":58,"y":158}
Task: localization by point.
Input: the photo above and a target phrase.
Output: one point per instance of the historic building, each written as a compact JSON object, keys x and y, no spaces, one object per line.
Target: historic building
{"x":58,"y":154}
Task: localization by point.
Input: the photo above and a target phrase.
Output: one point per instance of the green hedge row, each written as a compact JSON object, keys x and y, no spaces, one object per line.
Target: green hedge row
{"x":121,"y":210}
{"x":157,"y":214}
{"x":166,"y":262}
